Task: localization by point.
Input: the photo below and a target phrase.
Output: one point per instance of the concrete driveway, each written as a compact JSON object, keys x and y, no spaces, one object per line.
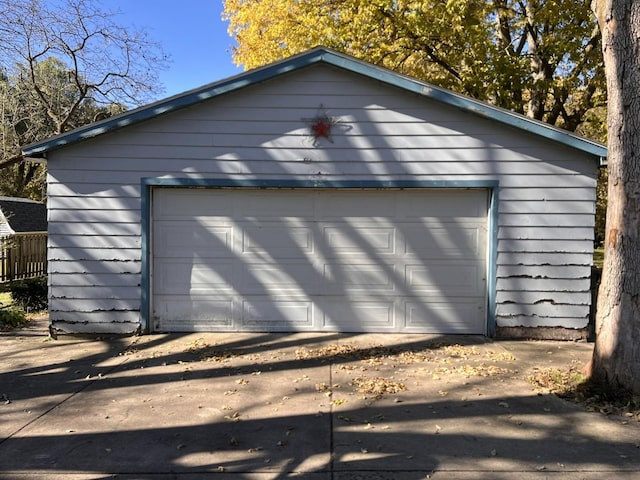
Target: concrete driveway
{"x":317,"y":406}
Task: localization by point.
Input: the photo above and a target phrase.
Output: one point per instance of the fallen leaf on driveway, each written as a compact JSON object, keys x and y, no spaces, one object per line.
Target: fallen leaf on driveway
{"x":235,"y":417}
{"x":377,"y":386}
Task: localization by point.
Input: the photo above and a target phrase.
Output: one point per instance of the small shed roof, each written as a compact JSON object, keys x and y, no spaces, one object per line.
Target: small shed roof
{"x":24,"y":215}
{"x":311,"y":57}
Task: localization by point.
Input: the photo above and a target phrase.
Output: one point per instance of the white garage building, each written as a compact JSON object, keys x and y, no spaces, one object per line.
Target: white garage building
{"x":320,"y":193}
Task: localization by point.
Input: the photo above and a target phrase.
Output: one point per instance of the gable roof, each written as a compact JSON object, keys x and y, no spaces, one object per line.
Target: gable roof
{"x":24,"y":215}
{"x":316,"y":56}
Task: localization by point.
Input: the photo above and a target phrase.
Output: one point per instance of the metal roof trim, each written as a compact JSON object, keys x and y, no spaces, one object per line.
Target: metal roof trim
{"x":314,"y":56}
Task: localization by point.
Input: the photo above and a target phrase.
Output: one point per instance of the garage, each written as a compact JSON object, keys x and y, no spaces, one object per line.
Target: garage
{"x":349,"y":260}
{"x":320,"y":193}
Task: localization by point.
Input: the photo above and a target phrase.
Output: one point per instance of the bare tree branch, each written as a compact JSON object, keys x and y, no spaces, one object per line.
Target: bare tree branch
{"x":62,"y":64}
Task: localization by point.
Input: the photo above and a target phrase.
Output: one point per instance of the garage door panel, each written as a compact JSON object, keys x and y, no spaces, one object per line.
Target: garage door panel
{"x":346,"y":314}
{"x":277,"y":240}
{"x":353,"y":205}
{"x":178,"y":276}
{"x":284,"y":260}
{"x":176,"y":203}
{"x":188,"y":239}
{"x":317,"y":279}
{"x":453,"y":316}
{"x":346,"y":239}
{"x":266,"y":206}
{"x":446,"y":279}
{"x":360,"y":277}
{"x":292,"y":278}
{"x":451,"y":241}
{"x":268,"y":313}
{"x":180,"y":313}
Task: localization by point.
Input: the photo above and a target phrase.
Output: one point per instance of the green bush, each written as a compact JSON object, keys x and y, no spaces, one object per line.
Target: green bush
{"x":31,"y":294}
{"x":11,"y":317}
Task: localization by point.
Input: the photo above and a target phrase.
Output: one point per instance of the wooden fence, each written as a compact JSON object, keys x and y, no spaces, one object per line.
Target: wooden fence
{"x":23,"y":255}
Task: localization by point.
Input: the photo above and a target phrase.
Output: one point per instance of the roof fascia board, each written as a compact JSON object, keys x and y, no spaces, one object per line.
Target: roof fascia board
{"x":467,"y":104}
{"x":302,"y":60}
{"x":171,"y":104}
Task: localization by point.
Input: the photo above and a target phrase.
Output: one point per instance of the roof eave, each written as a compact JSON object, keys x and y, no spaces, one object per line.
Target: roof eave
{"x":317,"y":55}
{"x":171,"y":104}
{"x":468,"y":104}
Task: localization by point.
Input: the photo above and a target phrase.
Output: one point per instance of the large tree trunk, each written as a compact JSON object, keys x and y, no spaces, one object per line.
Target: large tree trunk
{"x":616,"y":359}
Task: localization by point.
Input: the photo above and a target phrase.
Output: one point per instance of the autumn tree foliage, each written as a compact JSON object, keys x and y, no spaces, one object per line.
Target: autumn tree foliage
{"x":539,"y":58}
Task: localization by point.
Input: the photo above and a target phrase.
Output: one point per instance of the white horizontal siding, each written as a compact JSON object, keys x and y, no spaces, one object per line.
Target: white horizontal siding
{"x":519,"y":283}
{"x":299,"y":161}
{"x":96,"y":216}
{"x":5,"y":229}
{"x":547,"y":245}
{"x":131,"y":203}
{"x":546,"y":220}
{"x":542,"y":321}
{"x":548,"y":207}
{"x":102,"y":242}
{"x":544,"y":258}
{"x":96,"y":292}
{"x":542,"y":309}
{"x":92,"y":229}
{"x":123,"y":322}
{"x":104,"y":317}
{"x":558,"y":233}
{"x":71,"y":304}
{"x":544,"y":271}
{"x":342,"y":148}
{"x":87,"y":267}
{"x":528,"y":297}
{"x":70,"y":279}
{"x":103,"y":184}
{"x":88,"y":191}
{"x":547,"y":192}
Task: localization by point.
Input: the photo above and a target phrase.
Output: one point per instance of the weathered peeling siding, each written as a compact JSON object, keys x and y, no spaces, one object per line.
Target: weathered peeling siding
{"x":547,"y":191}
{"x":5,"y":229}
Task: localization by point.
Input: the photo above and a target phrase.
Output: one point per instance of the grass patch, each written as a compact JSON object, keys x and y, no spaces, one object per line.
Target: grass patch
{"x":10,"y":316}
{"x":598,"y":257}
{"x":561,"y":382}
{"x":5,"y":299}
{"x":572,"y":384}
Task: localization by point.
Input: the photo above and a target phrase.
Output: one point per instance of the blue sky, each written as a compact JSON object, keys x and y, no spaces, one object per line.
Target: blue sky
{"x":190,"y":31}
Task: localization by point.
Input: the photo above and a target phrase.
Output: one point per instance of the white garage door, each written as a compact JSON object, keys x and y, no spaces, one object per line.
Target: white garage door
{"x":324,"y":260}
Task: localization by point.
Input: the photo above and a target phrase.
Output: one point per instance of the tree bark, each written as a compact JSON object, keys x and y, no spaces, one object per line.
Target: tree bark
{"x":616,"y":358}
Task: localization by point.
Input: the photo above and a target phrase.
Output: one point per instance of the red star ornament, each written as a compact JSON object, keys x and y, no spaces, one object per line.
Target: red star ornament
{"x":321,"y":128}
